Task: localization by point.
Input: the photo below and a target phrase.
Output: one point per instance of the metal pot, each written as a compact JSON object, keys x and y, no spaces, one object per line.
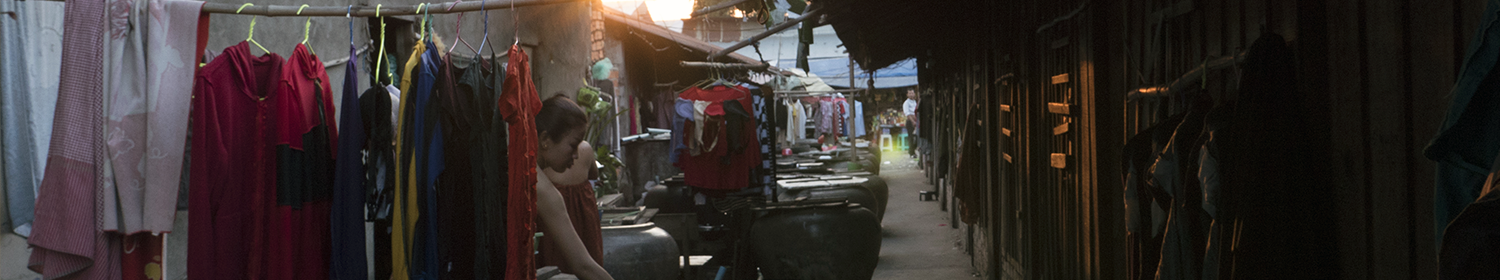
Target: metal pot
{"x":641,"y":251}
{"x":830,"y":241}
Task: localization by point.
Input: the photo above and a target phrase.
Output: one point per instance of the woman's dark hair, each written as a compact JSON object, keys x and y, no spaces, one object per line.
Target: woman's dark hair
{"x":559,"y":115}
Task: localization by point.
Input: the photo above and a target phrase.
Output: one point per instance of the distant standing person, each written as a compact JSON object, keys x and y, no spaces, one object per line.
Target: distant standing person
{"x":909,"y":108}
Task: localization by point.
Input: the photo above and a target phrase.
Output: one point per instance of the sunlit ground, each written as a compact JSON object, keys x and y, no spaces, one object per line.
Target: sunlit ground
{"x":896,"y":158}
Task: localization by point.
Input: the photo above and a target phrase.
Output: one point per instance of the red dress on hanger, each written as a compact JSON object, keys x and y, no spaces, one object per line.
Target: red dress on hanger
{"x":233,"y":166}
{"x":519,"y":104}
{"x":305,"y":147}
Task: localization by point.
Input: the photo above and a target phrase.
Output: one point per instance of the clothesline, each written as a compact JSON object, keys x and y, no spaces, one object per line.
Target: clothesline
{"x":823,"y":93}
{"x":852,"y":90}
{"x":369,"y":11}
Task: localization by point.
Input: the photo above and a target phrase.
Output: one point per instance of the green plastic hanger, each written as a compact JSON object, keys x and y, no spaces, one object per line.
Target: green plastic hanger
{"x":306,"y":30}
{"x":251,"y":37}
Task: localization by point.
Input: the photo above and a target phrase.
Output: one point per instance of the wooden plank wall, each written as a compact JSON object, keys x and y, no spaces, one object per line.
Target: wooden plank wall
{"x":1375,"y":74}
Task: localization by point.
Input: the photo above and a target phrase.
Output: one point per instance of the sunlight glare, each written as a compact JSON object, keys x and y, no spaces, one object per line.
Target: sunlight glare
{"x":666,"y":9}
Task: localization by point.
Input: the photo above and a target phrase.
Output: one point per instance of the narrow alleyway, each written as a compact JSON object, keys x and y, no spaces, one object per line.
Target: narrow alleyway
{"x":917,"y":240}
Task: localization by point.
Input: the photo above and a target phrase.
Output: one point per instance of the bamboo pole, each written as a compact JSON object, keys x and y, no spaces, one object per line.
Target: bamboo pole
{"x":732,"y":66}
{"x":814,"y":14}
{"x":369,"y":11}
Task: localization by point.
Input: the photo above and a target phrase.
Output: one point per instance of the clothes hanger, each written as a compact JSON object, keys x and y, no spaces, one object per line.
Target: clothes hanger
{"x":486,"y":39}
{"x":516,"y":17}
{"x":422,"y":24}
{"x":307,"y":30}
{"x":381,"y":55}
{"x":349,"y":13}
{"x":458,"y":31}
{"x":251,"y":37}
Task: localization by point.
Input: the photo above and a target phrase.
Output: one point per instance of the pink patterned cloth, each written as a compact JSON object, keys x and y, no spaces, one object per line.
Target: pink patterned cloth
{"x":148,"y":110}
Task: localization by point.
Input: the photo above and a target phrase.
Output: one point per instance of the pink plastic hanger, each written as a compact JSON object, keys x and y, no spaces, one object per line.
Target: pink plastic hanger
{"x":458,"y":31}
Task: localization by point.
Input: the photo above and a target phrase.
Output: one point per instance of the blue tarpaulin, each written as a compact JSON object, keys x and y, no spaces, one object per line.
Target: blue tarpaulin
{"x":835,"y":72}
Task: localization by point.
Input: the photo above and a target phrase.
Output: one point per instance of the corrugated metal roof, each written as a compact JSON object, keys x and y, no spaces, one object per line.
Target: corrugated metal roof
{"x":615,"y":16}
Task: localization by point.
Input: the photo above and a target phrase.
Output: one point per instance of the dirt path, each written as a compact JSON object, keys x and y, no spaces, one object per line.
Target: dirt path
{"x":917,"y":242}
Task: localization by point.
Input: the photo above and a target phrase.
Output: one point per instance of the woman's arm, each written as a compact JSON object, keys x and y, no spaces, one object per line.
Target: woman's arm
{"x":586,"y":154}
{"x":558,"y":228}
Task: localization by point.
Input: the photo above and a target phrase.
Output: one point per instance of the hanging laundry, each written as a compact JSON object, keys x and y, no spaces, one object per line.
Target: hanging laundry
{"x":519,"y":104}
{"x":17,"y":152}
{"x":719,"y":165}
{"x":462,"y":119}
{"x":143,"y":257}
{"x":701,"y":121}
{"x":797,"y":121}
{"x":404,"y":221}
{"x":859,"y":119}
{"x":682,"y":110}
{"x":148,"y":111}
{"x":1468,"y":247}
{"x":1176,"y":171}
{"x":234,"y":164}
{"x":305,"y":149}
{"x":490,"y":214}
{"x":347,"y":206}
{"x":67,"y":239}
{"x":1465,"y":144}
{"x":1137,"y":153}
{"x":375,"y":109}
{"x":378,"y":117}
{"x":845,"y":112}
{"x":1217,"y":258}
{"x":825,"y":119}
{"x":428,"y":157}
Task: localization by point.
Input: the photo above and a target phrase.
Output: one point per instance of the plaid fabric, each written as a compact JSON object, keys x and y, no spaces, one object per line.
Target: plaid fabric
{"x":67,"y":240}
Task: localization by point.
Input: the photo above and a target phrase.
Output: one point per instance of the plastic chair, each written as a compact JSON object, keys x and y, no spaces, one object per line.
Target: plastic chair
{"x":885,"y":143}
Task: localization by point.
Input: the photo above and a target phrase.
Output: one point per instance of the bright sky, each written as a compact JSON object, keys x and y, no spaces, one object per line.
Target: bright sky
{"x":661,"y":10}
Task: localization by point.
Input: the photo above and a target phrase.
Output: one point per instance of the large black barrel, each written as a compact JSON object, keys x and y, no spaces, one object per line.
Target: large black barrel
{"x":669,"y":199}
{"x":641,"y":251}
{"x":871,"y":192}
{"x":882,"y":193}
{"x":828,"y":241}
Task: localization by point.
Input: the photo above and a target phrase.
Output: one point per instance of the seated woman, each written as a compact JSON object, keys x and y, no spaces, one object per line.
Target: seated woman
{"x":560,"y":128}
{"x":577,"y":192}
